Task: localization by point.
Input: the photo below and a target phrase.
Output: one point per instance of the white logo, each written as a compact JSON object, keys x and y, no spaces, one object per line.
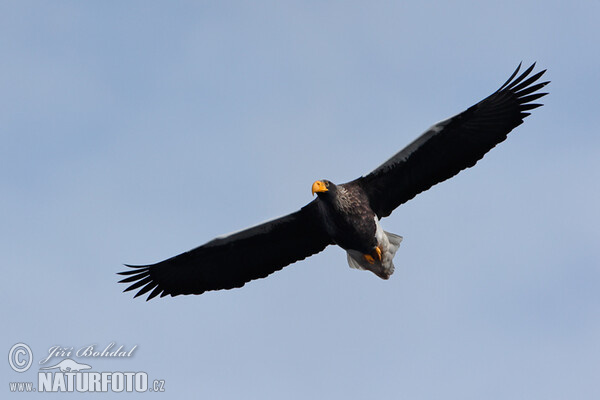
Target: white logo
{"x":72,"y":376}
{"x":68,"y":365}
{"x":20,"y":357}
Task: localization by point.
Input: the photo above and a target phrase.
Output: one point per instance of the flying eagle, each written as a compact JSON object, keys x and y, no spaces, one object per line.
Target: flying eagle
{"x":347,"y":214}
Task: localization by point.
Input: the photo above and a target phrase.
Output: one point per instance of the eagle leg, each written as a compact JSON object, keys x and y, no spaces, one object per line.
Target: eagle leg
{"x":370,"y":258}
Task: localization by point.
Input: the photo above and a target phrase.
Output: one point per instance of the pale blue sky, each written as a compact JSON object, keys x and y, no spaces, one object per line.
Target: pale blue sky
{"x":133,"y":131}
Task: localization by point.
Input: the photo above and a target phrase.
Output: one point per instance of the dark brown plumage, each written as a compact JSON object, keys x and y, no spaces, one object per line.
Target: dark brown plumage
{"x":347,"y":214}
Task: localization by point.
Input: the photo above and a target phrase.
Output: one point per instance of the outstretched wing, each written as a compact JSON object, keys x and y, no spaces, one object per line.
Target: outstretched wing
{"x":231,"y":261}
{"x":452,"y":145}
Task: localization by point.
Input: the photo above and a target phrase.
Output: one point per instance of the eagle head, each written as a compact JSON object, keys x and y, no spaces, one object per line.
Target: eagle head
{"x":323,"y":187}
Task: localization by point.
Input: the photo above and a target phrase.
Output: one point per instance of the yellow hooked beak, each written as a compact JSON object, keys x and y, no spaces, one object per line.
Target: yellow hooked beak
{"x":318,"y":187}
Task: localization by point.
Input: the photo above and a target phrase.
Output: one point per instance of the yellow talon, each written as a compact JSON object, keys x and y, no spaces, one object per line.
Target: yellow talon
{"x":375,"y":255}
{"x":378,"y":251}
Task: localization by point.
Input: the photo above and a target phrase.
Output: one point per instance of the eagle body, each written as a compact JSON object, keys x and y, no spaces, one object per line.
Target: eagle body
{"x":348,"y":214}
{"x":348,"y":218}
{"x":353,"y":225}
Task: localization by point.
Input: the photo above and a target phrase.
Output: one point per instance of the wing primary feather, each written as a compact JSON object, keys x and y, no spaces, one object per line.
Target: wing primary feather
{"x":154,"y":293}
{"x":139,"y":283}
{"x":131,"y":272}
{"x":134,"y":266}
{"x":527,"y":82}
{"x":520,"y":78}
{"x":532,"y":97}
{"x":511,"y":77}
{"x":134,"y":278}
{"x":533,"y":88}
{"x":146,"y":289}
{"x":531,"y":106}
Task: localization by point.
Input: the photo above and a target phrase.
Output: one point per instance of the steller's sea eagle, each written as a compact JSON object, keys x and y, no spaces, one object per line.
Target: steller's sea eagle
{"x":347,"y":214}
